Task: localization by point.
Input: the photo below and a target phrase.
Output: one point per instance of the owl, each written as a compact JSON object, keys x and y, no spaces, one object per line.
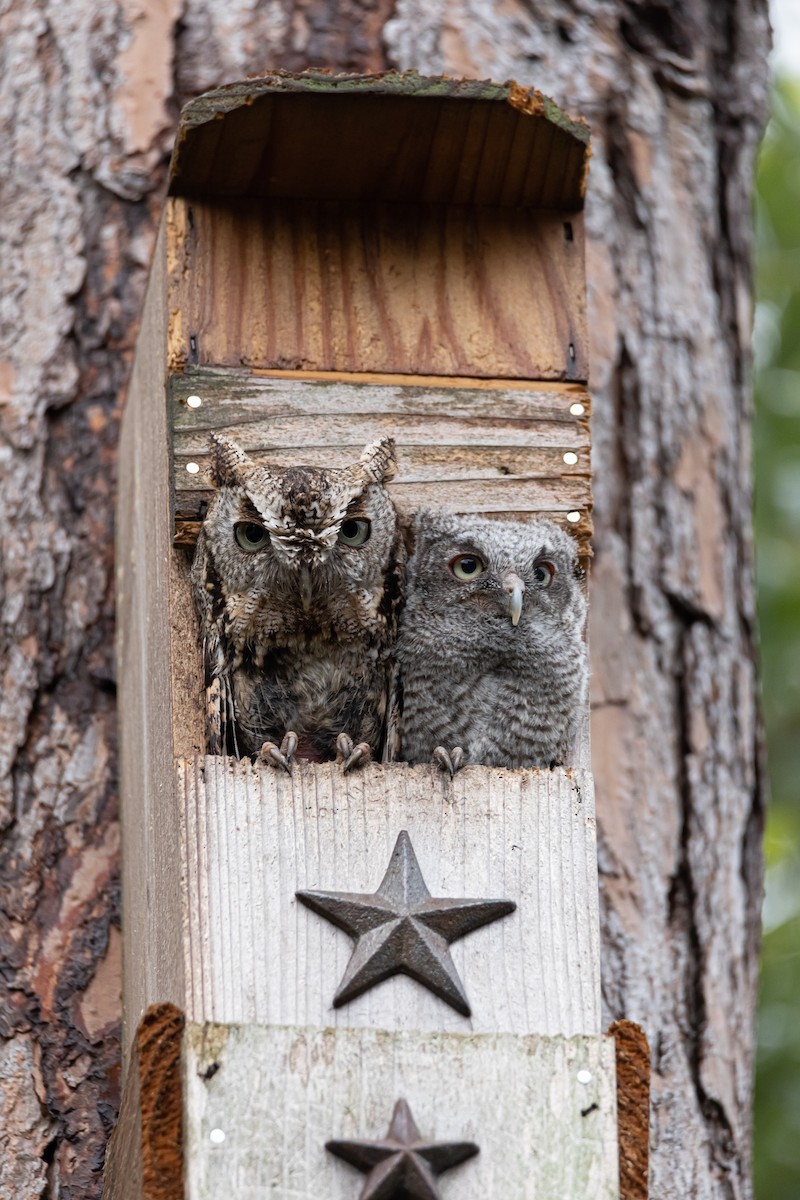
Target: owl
{"x":298,"y":580}
{"x":492,"y":658}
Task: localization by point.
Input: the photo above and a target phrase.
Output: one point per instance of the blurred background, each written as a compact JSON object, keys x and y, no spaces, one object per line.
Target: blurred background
{"x":777,"y":472}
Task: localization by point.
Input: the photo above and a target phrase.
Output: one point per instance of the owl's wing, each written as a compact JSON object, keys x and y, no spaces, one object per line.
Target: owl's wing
{"x":221,"y":717}
{"x":215,"y":737}
{"x":219,"y":703}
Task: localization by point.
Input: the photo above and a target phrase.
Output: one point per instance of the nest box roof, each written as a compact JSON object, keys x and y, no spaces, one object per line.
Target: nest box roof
{"x":391,"y":137}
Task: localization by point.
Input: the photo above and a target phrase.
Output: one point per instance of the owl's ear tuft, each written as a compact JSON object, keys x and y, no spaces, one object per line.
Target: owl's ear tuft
{"x":379,"y":460}
{"x":229,"y":462}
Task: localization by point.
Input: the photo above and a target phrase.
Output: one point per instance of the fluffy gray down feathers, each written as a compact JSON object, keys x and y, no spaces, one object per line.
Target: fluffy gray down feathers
{"x":509,"y":693}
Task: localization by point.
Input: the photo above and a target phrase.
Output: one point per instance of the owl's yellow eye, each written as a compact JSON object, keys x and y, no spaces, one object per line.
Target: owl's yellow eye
{"x":250,"y":536}
{"x":467,"y":566}
{"x":354,"y":532}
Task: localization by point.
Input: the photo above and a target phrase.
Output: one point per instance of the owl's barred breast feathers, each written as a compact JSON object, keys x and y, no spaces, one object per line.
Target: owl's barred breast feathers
{"x":298,"y":578}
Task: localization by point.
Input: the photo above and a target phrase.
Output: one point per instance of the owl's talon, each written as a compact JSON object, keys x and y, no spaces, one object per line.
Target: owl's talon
{"x":349,"y":755}
{"x":272,"y":756}
{"x":450,"y":762}
{"x":280,"y":757}
{"x":361,"y":755}
{"x":344,"y":747}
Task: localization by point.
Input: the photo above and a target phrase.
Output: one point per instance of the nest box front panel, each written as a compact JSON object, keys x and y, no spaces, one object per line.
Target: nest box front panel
{"x":447,"y":290}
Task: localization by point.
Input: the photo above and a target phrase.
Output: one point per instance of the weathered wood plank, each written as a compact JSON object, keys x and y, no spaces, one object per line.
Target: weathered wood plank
{"x":261,"y":1103}
{"x":151,"y":724}
{"x":251,"y":837}
{"x":472,"y":450}
{"x":437,"y":290}
{"x":239,"y":396}
{"x":468,"y":382}
{"x":441,"y":464}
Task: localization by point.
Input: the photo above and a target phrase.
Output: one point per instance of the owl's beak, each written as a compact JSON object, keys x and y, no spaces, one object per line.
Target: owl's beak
{"x":306,"y":588}
{"x":514,"y":587}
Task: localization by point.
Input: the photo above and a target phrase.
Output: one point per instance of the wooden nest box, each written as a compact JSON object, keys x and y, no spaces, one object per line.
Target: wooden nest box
{"x":340,"y":258}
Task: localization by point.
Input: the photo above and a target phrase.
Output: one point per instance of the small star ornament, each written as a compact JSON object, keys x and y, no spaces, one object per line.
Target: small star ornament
{"x":403,"y":1166}
{"x":402,"y":929}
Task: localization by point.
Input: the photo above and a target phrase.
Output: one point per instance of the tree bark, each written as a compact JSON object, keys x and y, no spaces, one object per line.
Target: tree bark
{"x":676,"y":96}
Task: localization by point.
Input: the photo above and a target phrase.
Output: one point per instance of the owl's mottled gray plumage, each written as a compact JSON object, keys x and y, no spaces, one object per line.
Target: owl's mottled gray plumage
{"x":506,"y":694}
{"x":299,"y":633}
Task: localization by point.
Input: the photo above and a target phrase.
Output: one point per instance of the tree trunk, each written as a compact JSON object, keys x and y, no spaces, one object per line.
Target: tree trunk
{"x":675,"y":94}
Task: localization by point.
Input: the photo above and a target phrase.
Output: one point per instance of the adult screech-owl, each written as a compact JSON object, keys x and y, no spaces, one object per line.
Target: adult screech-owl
{"x":492,"y":658}
{"x":298,"y":579}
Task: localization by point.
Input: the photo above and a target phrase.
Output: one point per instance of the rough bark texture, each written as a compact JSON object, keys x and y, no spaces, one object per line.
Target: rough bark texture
{"x":675,"y":93}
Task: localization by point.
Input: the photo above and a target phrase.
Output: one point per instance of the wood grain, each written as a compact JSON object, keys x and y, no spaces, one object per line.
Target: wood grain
{"x":470,"y":382}
{"x":633,"y":1108}
{"x":497,"y":452}
{"x":274,"y":1096}
{"x":145,"y":1154}
{"x":436,"y":290}
{"x":252,"y":836}
{"x":398,"y":137}
{"x":148,"y":676}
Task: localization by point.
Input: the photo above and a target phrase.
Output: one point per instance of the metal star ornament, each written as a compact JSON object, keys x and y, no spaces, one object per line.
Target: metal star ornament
{"x":401,"y":929}
{"x":403,"y":1164}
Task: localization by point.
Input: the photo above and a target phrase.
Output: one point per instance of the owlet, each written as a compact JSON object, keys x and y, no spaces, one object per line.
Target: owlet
{"x":298,"y":580}
{"x":491,"y":652}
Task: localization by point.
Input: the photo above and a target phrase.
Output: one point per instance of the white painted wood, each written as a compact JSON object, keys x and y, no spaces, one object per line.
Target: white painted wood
{"x":260,"y":1103}
{"x":252,"y":836}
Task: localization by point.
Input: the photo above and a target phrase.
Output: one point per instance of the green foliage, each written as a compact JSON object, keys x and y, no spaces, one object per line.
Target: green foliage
{"x":777,"y":468}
